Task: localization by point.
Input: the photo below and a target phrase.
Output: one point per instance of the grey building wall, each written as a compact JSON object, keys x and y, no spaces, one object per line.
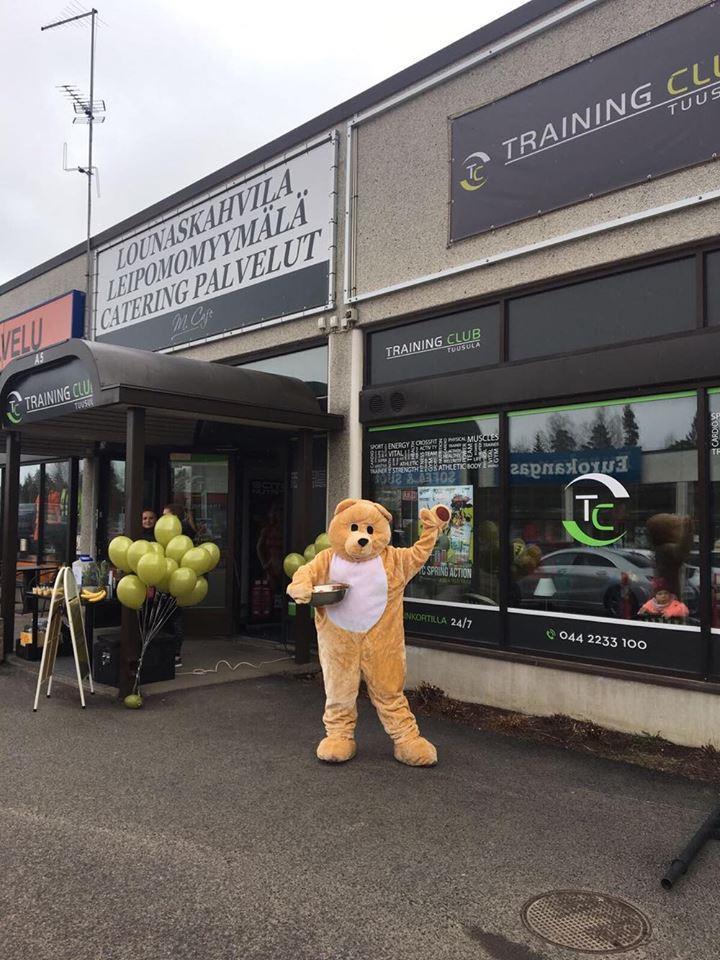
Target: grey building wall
{"x":402,"y":183}
{"x":61,"y":279}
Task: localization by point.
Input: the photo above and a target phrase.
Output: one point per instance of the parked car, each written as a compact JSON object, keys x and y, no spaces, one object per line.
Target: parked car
{"x":584,"y":580}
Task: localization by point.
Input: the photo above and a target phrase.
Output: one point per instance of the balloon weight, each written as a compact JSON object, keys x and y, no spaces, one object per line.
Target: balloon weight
{"x":214,"y":551}
{"x":178,"y":547}
{"x":166,"y":528}
{"x":151,"y":568}
{"x":198,"y":560}
{"x":133,"y":701}
{"x":136,"y":550}
{"x":196,"y":595}
{"x":292,"y":563}
{"x":182,"y":581}
{"x":131,"y":592}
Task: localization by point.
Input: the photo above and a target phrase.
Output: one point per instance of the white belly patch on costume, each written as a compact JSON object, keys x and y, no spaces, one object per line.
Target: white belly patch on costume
{"x":365,"y":601}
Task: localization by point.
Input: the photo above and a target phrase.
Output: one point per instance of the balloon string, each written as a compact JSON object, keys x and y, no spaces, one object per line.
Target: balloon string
{"x":155,"y":614}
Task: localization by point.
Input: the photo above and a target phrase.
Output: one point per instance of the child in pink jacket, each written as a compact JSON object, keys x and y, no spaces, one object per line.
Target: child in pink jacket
{"x":663,"y":604}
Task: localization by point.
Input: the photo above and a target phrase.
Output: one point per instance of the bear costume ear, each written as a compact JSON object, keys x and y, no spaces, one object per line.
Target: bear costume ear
{"x":384,"y":511}
{"x":343,"y":505}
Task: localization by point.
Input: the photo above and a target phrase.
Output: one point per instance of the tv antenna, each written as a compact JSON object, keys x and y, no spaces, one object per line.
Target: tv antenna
{"x":90,"y":111}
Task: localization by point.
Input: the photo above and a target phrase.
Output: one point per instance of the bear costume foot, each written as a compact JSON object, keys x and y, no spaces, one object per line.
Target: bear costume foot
{"x":336,"y":749}
{"x":417,"y":752}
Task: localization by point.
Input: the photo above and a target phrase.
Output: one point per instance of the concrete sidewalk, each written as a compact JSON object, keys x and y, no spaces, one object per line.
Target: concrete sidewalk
{"x":202,"y":827}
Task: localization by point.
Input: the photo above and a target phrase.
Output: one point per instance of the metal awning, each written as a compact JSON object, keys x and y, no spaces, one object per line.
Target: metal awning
{"x":79,"y":391}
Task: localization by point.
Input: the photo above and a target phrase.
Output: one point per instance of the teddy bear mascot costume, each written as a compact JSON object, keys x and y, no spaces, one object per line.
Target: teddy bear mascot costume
{"x":363,"y":634}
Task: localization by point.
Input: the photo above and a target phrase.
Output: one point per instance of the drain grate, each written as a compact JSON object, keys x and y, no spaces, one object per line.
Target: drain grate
{"x":588,"y":922}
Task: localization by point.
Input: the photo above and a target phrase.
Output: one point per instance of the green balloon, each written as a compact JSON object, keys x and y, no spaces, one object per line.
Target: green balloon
{"x":322,"y":543}
{"x":309,"y":553}
{"x":214,"y":551}
{"x":292,"y":563}
{"x":133,"y":701}
{"x":198,"y":560}
{"x":178,"y":547}
{"x":151,"y":568}
{"x":170,"y":567}
{"x":182,"y":581}
{"x":117,"y":551}
{"x":131,"y":592}
{"x":136,"y":550}
{"x":157,"y":548}
{"x":167,"y":527}
{"x":196,"y":595}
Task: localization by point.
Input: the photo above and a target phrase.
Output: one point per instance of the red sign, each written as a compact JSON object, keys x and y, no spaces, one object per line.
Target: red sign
{"x":53,"y":322}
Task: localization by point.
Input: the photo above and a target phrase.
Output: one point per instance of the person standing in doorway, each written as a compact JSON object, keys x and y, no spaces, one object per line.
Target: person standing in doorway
{"x":149,"y":519}
{"x":189,"y":527}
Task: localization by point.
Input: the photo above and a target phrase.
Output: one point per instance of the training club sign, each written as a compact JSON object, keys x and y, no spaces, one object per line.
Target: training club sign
{"x":255,"y":251}
{"x":634,"y":112}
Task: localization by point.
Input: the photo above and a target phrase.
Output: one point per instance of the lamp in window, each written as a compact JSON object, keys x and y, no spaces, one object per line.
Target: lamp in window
{"x":545,"y":590}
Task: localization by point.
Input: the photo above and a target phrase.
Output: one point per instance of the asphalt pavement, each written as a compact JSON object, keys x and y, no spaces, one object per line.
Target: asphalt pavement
{"x":203,"y":827}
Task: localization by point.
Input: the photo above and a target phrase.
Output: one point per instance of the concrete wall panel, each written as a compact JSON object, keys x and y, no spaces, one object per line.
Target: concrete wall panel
{"x":403,"y":172}
{"x":689,"y":717}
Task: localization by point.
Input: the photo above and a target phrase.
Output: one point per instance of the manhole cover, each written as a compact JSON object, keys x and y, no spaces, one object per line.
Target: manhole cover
{"x":590,"y":922}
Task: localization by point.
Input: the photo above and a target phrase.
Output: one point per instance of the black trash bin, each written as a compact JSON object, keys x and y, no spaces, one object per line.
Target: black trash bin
{"x":158,"y":664}
{"x":106,"y":658}
{"x":159,"y":660}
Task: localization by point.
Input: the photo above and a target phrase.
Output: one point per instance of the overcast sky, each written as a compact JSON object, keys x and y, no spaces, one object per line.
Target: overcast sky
{"x":189,"y":87}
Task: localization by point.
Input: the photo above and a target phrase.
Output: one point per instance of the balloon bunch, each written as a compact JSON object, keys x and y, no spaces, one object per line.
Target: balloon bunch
{"x":293,"y":561}
{"x":161,"y":575}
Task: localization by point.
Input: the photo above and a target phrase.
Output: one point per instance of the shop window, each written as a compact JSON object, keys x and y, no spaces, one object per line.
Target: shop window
{"x":55,"y":512}
{"x":29,"y":513}
{"x":714,"y":439}
{"x":113,"y":498}
{"x":115,"y":492}
{"x":411,"y":466}
{"x":648,"y":302}
{"x":310,"y":366}
{"x":604,"y":531}
{"x":199,"y":488}
{"x":712,"y":286}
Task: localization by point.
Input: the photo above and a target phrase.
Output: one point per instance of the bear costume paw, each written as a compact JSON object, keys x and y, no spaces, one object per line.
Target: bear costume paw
{"x":336,"y":749}
{"x":417,"y":752}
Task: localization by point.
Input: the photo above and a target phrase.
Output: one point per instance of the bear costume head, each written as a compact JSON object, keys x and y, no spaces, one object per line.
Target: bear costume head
{"x":360,"y":529}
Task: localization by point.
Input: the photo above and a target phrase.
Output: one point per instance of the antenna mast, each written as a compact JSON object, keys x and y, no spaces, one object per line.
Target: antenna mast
{"x":85,"y":109}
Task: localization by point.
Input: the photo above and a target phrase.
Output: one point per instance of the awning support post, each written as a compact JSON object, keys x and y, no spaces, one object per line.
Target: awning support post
{"x":134,"y":473}
{"x":72,"y":513}
{"x":303,"y":534}
{"x":11,"y":496}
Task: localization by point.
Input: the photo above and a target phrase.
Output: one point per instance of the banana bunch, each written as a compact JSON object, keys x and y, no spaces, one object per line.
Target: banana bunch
{"x":93,"y":596}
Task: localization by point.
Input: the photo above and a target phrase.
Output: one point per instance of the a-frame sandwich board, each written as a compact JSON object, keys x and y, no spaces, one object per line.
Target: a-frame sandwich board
{"x":65,"y":598}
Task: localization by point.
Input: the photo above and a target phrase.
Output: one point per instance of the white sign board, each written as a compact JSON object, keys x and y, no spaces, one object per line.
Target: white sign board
{"x":257,"y":250}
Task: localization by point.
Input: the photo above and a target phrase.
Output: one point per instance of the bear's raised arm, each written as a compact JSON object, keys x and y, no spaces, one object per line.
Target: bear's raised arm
{"x":308,"y":576}
{"x":414,"y":557}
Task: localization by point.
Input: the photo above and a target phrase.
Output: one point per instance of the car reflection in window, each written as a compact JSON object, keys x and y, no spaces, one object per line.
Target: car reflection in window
{"x":602,"y":582}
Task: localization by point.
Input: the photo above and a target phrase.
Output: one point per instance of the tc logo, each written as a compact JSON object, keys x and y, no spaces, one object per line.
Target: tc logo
{"x":474,"y":166}
{"x":596,"y":517}
{"x":14,"y":413}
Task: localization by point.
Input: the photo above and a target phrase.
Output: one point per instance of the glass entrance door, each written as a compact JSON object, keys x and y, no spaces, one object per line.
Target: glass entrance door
{"x":200,"y":490}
